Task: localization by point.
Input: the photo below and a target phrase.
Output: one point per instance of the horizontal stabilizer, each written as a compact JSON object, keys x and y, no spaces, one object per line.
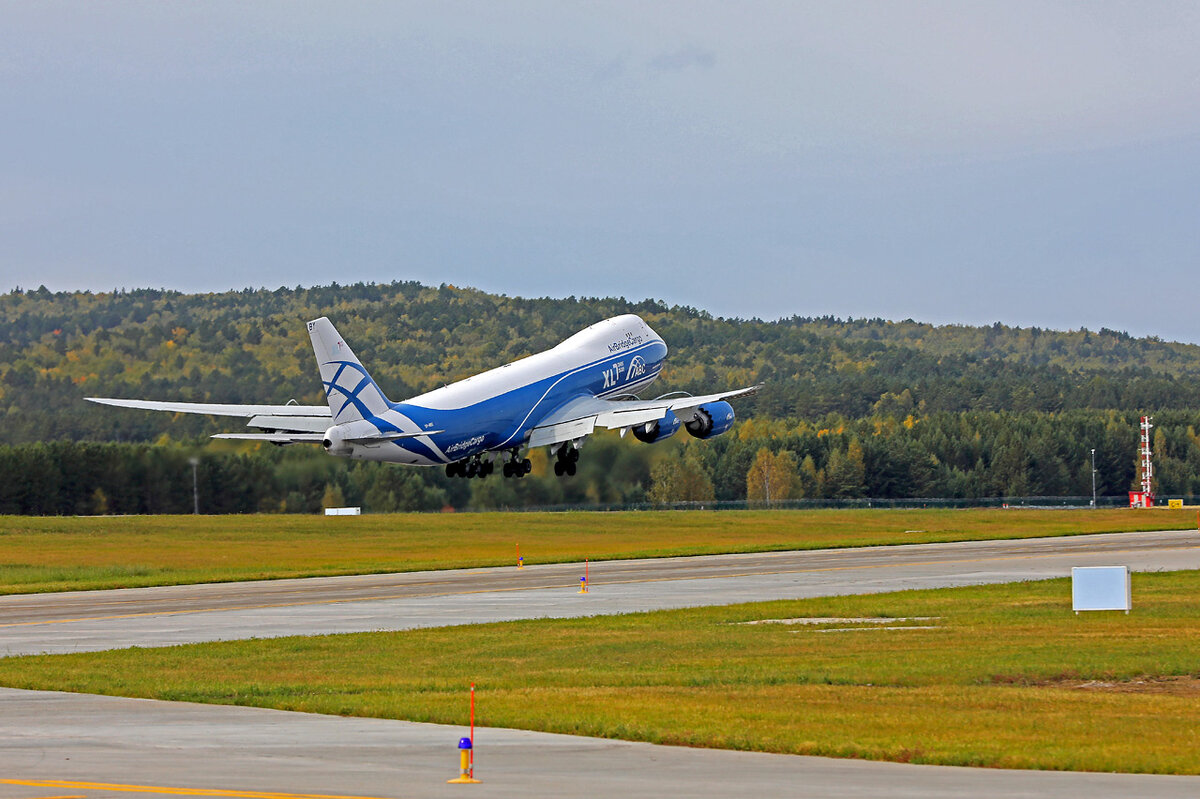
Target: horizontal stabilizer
{"x":392,"y":436}
{"x":275,"y":438}
{"x":217,"y":409}
{"x":291,"y":424}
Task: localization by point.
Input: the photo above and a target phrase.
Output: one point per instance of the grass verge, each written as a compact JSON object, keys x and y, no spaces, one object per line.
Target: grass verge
{"x":75,"y":553}
{"x":1002,"y":676}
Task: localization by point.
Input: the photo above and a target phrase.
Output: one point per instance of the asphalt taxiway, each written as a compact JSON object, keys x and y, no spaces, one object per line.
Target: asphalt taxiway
{"x":94,"y":620}
{"x":59,"y":745}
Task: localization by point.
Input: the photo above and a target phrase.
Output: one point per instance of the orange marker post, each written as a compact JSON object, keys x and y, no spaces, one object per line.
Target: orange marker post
{"x":520,"y":560}
{"x":583,"y":581}
{"x":466,"y":750}
{"x":472,"y":730}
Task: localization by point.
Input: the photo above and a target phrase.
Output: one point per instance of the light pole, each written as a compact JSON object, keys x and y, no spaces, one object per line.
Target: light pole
{"x":196,"y":489}
{"x":1093,"y":477}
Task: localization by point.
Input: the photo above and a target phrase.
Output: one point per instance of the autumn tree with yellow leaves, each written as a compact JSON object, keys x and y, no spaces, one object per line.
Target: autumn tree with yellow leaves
{"x":772,"y":477}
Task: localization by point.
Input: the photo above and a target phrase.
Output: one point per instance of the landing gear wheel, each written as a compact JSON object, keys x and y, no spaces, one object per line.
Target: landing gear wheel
{"x":558,"y":468}
{"x":508,"y":470}
{"x":526,"y":466}
{"x":569,"y":468}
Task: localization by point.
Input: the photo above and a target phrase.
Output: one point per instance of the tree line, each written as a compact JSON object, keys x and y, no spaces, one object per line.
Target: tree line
{"x":972,"y":455}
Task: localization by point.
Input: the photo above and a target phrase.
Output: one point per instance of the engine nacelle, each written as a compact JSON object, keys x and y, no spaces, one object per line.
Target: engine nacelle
{"x":335,"y":442}
{"x":710,"y":420}
{"x":657,"y":430}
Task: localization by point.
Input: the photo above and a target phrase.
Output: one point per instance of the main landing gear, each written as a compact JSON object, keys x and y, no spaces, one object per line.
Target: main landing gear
{"x":470,"y":467}
{"x":567,"y":457}
{"x":480,"y":467}
{"x":516,"y":466}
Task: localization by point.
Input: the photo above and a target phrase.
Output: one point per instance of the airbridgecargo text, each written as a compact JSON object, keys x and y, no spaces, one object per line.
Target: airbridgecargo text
{"x":464,"y":444}
{"x":630,"y":340}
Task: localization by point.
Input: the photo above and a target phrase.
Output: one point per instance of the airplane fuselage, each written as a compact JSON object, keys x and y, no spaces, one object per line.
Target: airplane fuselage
{"x":496,"y":409}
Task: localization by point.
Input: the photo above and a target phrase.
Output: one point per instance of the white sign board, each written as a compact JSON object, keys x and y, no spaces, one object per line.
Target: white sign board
{"x":343,"y":511}
{"x":1100,"y":588}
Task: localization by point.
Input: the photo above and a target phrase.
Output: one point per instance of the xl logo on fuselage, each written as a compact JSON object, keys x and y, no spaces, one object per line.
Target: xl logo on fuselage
{"x":612,"y":375}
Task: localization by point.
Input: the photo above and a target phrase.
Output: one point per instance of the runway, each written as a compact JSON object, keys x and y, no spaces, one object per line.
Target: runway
{"x":59,"y":745}
{"x":94,"y":620}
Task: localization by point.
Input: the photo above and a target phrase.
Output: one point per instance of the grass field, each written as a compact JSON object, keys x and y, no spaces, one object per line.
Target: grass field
{"x":1002,"y":676}
{"x":71,"y":553}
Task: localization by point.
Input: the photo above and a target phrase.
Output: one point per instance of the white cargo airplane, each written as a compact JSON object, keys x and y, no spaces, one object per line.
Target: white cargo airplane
{"x":554,"y":399}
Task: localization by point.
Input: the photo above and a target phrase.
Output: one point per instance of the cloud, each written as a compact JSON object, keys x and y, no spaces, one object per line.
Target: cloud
{"x":682,"y":59}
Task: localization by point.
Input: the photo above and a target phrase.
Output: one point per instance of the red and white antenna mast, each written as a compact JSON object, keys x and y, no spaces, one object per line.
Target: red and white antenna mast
{"x":1147,"y":463}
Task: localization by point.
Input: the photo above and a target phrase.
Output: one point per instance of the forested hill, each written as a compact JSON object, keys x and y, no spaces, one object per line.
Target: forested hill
{"x":253,"y":346}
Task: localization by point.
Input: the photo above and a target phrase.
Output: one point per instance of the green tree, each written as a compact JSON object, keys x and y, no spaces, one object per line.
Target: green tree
{"x":810,"y":482}
{"x":846,"y":474}
{"x":333,"y":497}
{"x":680,"y":477}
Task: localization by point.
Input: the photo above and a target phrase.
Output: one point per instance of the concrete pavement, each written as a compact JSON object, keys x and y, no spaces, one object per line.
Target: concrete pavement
{"x":96,"y":746}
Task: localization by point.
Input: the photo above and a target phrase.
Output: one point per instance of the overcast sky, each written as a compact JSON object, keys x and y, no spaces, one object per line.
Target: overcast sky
{"x":1033,"y":163}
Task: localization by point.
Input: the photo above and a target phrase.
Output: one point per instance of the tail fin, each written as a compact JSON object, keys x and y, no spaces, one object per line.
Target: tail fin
{"x":352,"y":394}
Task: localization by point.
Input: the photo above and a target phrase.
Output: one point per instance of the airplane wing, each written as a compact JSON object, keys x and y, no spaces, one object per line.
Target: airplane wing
{"x":317,"y":438}
{"x":580,"y":417}
{"x":275,"y":438}
{"x":296,"y":421}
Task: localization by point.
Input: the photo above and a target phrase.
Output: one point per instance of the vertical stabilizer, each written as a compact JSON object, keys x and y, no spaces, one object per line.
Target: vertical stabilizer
{"x":352,"y":394}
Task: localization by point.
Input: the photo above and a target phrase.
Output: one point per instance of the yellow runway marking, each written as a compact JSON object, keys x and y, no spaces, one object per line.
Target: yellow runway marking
{"x":604,"y":581}
{"x":105,"y":786}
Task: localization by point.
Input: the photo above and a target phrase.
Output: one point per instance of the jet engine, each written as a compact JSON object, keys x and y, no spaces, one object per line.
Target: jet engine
{"x":657,"y":430}
{"x":335,"y":442}
{"x":711,"y":420}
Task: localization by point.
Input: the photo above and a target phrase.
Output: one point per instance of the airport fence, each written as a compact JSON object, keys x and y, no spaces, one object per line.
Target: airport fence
{"x":1118,"y":501}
